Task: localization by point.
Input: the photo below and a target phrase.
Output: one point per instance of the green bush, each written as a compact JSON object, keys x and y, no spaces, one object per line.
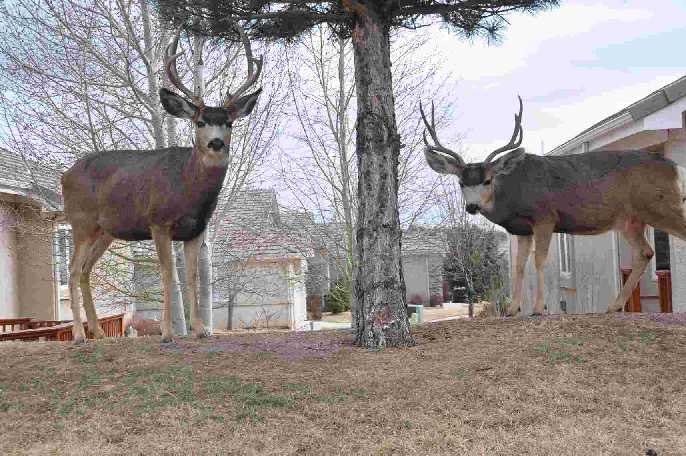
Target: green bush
{"x":338,"y":299}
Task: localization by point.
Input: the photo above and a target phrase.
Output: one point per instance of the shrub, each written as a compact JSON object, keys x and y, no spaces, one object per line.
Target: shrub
{"x":338,"y":299}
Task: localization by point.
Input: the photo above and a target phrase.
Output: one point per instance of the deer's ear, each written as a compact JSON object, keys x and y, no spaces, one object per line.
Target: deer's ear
{"x":245,"y":104}
{"x":176,"y":105}
{"x":441,"y":163}
{"x":508,"y":162}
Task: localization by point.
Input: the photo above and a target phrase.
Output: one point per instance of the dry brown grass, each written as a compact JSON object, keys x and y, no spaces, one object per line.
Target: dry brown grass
{"x":585,"y":385}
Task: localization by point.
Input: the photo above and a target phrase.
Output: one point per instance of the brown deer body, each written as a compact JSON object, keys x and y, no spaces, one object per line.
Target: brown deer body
{"x":163,"y":195}
{"x":534,"y":196}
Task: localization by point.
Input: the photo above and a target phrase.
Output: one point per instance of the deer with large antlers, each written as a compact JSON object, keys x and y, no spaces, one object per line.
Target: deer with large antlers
{"x":162,"y":194}
{"x":534,"y":196}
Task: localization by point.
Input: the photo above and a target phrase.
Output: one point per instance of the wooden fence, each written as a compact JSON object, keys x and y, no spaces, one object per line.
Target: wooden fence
{"x":28,"y":329}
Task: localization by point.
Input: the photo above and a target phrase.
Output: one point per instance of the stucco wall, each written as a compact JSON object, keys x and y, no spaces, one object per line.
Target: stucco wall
{"x":416,"y":277}
{"x":35,"y":278}
{"x":273,"y":293}
{"x":9,"y":293}
{"x":423,"y":276}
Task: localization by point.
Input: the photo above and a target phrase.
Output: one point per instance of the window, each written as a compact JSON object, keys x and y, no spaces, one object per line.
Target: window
{"x":563,"y":245}
{"x":661,"y":249}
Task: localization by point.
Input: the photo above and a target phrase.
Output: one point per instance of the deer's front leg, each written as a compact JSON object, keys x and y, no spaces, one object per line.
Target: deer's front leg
{"x":163,"y":244}
{"x":542,"y":234}
{"x":523,"y":250}
{"x":190,"y":252}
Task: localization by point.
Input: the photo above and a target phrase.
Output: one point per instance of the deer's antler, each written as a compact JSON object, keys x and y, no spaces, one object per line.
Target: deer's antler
{"x":253,"y":73}
{"x":432,"y":131}
{"x":170,"y":57}
{"x":514,"y":142}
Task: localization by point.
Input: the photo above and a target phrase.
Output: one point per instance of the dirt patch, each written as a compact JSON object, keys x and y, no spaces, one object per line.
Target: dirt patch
{"x":290,"y":346}
{"x":600,"y":385}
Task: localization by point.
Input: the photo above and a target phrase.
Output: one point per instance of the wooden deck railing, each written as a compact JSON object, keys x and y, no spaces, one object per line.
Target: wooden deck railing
{"x":664,"y":281}
{"x":29,"y":329}
{"x":664,"y":287}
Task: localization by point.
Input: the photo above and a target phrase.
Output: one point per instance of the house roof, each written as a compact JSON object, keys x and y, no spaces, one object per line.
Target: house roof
{"x":30,"y":179}
{"x":636,"y":111}
{"x":424,"y":240}
{"x":251,"y":227}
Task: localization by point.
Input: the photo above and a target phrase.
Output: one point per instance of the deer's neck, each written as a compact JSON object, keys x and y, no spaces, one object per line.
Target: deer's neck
{"x":204,"y":172}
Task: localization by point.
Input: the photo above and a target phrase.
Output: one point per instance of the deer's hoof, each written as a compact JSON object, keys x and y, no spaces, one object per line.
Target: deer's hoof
{"x":536,"y":315}
{"x":512,"y":313}
{"x":166,"y":340}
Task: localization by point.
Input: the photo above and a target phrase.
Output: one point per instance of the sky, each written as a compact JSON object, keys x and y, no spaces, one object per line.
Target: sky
{"x":572,"y":66}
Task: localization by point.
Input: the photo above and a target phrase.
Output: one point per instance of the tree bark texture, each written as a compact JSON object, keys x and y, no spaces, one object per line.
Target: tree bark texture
{"x":379,"y":308}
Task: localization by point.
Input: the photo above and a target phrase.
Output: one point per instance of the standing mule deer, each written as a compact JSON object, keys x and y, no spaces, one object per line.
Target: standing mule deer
{"x":162,"y":194}
{"x":534,"y":196}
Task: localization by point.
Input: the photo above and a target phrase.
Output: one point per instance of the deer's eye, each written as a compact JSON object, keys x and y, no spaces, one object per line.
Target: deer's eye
{"x":487,"y":182}
{"x":200,"y":124}
{"x":228,"y":124}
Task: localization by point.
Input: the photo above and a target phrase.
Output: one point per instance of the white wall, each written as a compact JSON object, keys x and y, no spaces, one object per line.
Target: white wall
{"x":274,"y":294}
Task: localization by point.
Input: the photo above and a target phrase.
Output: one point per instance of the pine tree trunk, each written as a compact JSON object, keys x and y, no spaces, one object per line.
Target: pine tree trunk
{"x":379,"y":308}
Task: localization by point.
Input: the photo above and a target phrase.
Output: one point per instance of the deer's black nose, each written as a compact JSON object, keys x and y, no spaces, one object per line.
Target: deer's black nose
{"x":216,"y":144}
{"x":472,"y":208}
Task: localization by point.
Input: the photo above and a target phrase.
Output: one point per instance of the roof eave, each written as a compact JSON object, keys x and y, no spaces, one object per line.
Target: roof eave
{"x":657,"y":100}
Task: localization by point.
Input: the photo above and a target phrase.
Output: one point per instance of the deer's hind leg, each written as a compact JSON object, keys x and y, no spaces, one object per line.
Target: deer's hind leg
{"x":523,"y":251}
{"x":83,"y":242}
{"x":634,"y":232}
{"x":94,"y":253}
{"x":543,"y":232}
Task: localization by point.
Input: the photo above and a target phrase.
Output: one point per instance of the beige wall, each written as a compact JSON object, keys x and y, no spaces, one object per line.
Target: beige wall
{"x":36,"y":278}
{"x":9,"y":293}
{"x":27,"y":282}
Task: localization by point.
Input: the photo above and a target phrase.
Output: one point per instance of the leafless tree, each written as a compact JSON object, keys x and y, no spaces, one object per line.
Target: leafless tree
{"x":320,"y":171}
{"x":475,"y":254}
{"x":78,"y":78}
